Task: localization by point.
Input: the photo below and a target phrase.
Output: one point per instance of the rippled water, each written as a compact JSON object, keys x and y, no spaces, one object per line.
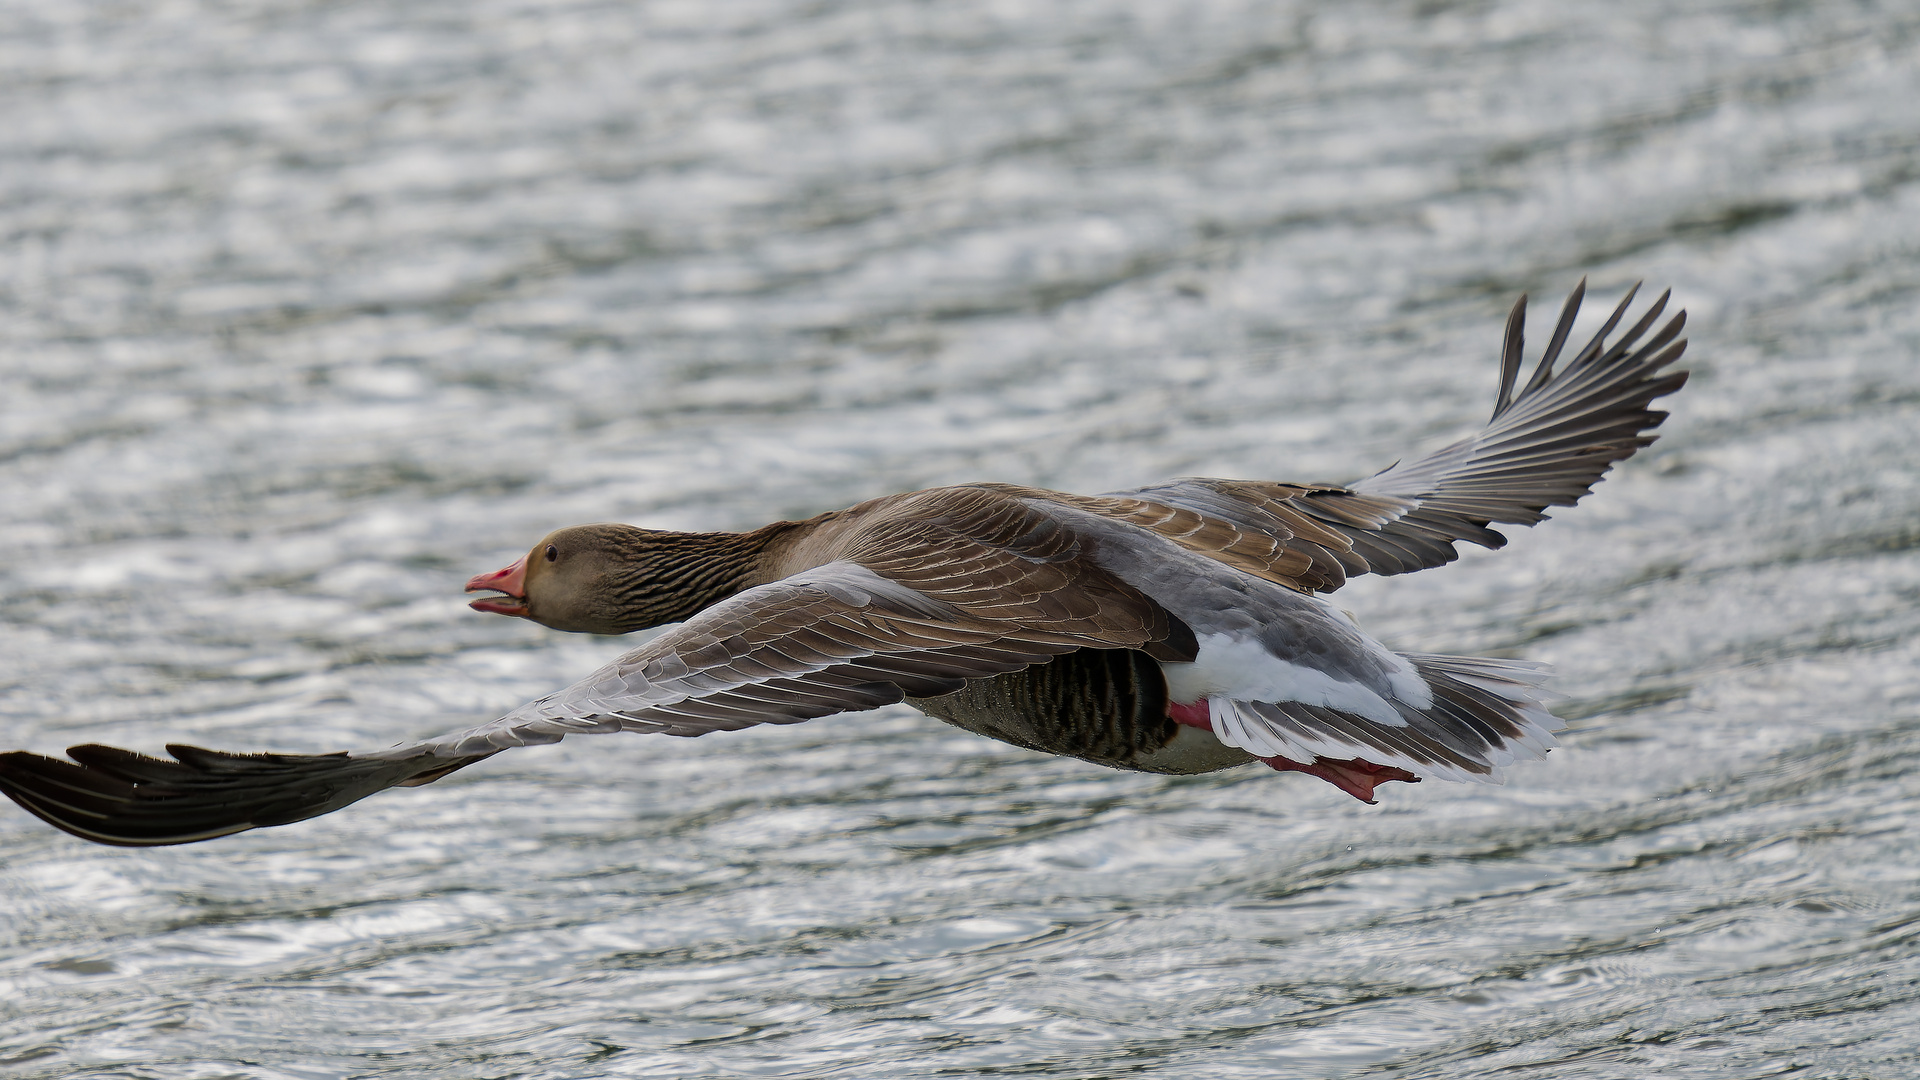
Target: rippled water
{"x":310,"y":311}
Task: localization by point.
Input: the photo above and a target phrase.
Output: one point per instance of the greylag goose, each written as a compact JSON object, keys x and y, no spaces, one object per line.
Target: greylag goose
{"x":1179,"y":628}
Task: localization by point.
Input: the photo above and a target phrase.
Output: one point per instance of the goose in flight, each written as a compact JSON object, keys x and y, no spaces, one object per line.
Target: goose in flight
{"x":1178,"y":628}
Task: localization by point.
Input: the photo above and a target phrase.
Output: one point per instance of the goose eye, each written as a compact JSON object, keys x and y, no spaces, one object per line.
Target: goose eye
{"x":552,"y":553}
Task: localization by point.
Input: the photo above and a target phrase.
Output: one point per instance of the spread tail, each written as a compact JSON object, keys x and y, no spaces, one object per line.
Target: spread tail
{"x":1485,"y":715}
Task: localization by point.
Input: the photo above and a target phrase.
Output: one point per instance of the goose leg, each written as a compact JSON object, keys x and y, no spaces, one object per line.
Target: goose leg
{"x":1355,"y":776}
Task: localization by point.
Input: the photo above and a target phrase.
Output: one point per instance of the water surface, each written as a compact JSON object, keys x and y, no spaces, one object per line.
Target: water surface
{"x":311,"y":311}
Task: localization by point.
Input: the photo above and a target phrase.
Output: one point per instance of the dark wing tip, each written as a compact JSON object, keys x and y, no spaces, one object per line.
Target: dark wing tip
{"x":1547,"y":444}
{"x":1511,"y":348}
{"x":114,"y":796}
{"x":1568,"y":312}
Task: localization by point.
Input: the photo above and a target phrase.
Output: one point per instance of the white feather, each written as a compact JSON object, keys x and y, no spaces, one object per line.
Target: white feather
{"x":1243,"y":669}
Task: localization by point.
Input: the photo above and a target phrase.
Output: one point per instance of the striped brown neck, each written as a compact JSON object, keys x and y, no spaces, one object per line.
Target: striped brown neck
{"x":669,"y":577}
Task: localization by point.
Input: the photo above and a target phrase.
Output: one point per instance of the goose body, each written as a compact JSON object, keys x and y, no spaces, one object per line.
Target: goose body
{"x":1179,"y":628}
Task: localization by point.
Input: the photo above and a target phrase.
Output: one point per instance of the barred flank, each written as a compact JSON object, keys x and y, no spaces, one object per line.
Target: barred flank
{"x":1106,"y":706}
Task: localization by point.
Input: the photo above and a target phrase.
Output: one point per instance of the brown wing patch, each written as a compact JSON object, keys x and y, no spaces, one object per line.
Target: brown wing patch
{"x":999,"y":560}
{"x":1261,"y":529}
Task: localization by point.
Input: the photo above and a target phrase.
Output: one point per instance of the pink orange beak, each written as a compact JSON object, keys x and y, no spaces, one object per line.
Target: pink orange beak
{"x":512,"y":581}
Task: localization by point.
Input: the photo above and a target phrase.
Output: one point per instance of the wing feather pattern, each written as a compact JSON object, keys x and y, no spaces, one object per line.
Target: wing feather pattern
{"x":115,"y":796}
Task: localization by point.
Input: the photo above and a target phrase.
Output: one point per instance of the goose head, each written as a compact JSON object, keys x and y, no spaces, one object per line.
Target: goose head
{"x":614,"y":579}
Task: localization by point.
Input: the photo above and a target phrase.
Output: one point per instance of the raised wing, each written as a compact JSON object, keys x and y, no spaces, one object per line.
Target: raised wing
{"x":986,"y":596}
{"x":1546,"y":445}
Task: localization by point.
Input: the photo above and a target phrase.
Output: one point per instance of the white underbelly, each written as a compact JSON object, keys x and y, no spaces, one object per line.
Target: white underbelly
{"x":1192,"y":750}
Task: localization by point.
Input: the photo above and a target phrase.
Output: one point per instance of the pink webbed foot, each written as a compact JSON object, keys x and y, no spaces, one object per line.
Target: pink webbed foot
{"x":1355,"y":776}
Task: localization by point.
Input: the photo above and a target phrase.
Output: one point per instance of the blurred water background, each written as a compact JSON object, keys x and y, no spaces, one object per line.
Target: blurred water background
{"x":309,"y":311}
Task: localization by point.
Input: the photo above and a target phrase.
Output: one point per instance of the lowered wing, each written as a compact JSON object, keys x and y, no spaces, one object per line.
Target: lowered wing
{"x":983,"y":595}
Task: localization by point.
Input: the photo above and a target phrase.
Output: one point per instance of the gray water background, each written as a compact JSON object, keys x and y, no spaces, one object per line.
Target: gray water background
{"x":309,"y":311}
